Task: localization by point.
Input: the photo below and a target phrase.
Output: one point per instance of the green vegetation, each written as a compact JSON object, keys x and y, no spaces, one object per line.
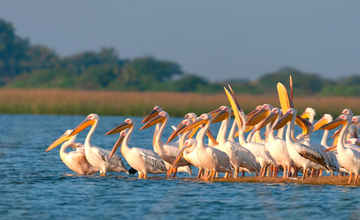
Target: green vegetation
{"x":23,"y":65}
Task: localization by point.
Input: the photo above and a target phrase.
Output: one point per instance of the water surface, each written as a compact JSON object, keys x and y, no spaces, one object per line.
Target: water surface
{"x":35,"y":184}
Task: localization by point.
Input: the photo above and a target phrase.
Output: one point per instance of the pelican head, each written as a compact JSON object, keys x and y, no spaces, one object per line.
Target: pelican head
{"x":220,"y":114}
{"x":290,"y":113}
{"x":180,"y":127}
{"x":128,"y":123}
{"x":118,"y":142}
{"x":356,"y":121}
{"x":61,"y":139}
{"x":347,"y":112}
{"x":152,"y":114}
{"x":353,"y":131}
{"x":191,"y":116}
{"x":260,"y":115}
{"x":326,"y":118}
{"x":90,"y":120}
{"x":308,"y":113}
{"x":341,"y":120}
{"x":274,"y":113}
{"x":160,"y":118}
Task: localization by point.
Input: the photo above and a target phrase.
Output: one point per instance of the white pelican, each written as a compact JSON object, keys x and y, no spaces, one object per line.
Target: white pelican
{"x":240,"y":157}
{"x":299,"y":153}
{"x":96,"y":156}
{"x":276,"y":146}
{"x":348,"y":157}
{"x":210,"y":158}
{"x":167,"y":152}
{"x":75,"y":160}
{"x":144,"y":161}
{"x":257,"y":149}
{"x":189,"y":153}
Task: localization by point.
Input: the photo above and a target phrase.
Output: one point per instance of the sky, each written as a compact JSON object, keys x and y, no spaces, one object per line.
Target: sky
{"x":217,"y":40}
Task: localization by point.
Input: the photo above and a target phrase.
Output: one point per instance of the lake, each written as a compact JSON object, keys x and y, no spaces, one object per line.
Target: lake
{"x":38,"y":185}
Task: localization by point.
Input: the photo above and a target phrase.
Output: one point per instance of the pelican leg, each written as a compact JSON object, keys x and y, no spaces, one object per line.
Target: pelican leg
{"x":243,"y":174}
{"x":356,"y":179}
{"x":284,"y":172}
{"x":175,"y":172}
{"x":226,"y":175}
{"x":213,"y":175}
{"x":304,"y":173}
{"x":268,"y":172}
{"x":332,"y":173}
{"x":140,"y":175}
{"x":217,"y":174}
{"x":236,"y":175}
{"x":320,"y":173}
{"x":145,"y":176}
{"x":200,"y":173}
{"x":102,"y":173}
{"x":208,"y":176}
{"x":349,"y":181}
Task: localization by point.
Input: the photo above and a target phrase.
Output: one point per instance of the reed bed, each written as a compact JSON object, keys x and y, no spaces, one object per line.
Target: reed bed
{"x":80,"y":102}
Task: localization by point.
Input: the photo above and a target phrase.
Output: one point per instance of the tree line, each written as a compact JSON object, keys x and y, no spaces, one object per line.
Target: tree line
{"x":24,"y":65}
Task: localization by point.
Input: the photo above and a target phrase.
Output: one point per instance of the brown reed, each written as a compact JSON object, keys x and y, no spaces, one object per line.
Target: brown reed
{"x":80,"y":102}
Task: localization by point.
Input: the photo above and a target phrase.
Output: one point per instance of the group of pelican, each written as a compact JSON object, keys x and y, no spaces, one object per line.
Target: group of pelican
{"x":232,"y":153}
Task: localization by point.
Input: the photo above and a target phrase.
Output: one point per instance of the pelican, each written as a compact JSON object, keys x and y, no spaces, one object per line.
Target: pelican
{"x":98,"y":157}
{"x":188,"y":153}
{"x":210,"y":158}
{"x":144,"y":161}
{"x":167,"y":152}
{"x":348,"y":157}
{"x":257,"y":149}
{"x":240,"y":157}
{"x":299,"y":153}
{"x":75,"y":160}
{"x":276,"y":146}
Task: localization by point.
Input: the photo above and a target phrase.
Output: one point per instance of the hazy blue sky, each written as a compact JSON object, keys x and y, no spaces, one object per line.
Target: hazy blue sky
{"x":214,"y":39}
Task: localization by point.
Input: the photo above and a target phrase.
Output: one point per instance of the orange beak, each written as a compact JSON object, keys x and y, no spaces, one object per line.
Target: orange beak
{"x":86,"y":123}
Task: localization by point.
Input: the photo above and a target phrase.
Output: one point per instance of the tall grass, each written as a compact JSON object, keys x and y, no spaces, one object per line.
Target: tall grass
{"x":57,"y":101}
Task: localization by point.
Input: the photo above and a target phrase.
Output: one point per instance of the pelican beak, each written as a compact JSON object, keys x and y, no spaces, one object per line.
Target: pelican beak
{"x":335,"y":140}
{"x":119,"y":128}
{"x":208,"y":133}
{"x":320,"y":123}
{"x":153,"y":121}
{"x":235,"y":106}
{"x":258,"y":117}
{"x":336,"y":134}
{"x":222,"y":115}
{"x":304,"y":125}
{"x":270,"y":118}
{"x":150,"y":116}
{"x":305,"y":115}
{"x":215,"y":112}
{"x":117,"y":144}
{"x":174,"y":134}
{"x":284,"y":98}
{"x":56,"y":143}
{"x":283,"y":120}
{"x":86,"y":123}
{"x":333,"y":148}
{"x":194,"y":124}
{"x":333,"y":124}
{"x":252,"y":113}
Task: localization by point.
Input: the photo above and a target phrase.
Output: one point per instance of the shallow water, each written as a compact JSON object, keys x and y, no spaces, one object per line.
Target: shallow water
{"x":35,"y":184}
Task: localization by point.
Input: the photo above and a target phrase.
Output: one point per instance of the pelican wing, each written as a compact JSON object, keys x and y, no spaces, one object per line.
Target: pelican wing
{"x":310,"y":154}
{"x":114,"y":161}
{"x":354,"y":155}
{"x":219,"y":157}
{"x":153,"y":161}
